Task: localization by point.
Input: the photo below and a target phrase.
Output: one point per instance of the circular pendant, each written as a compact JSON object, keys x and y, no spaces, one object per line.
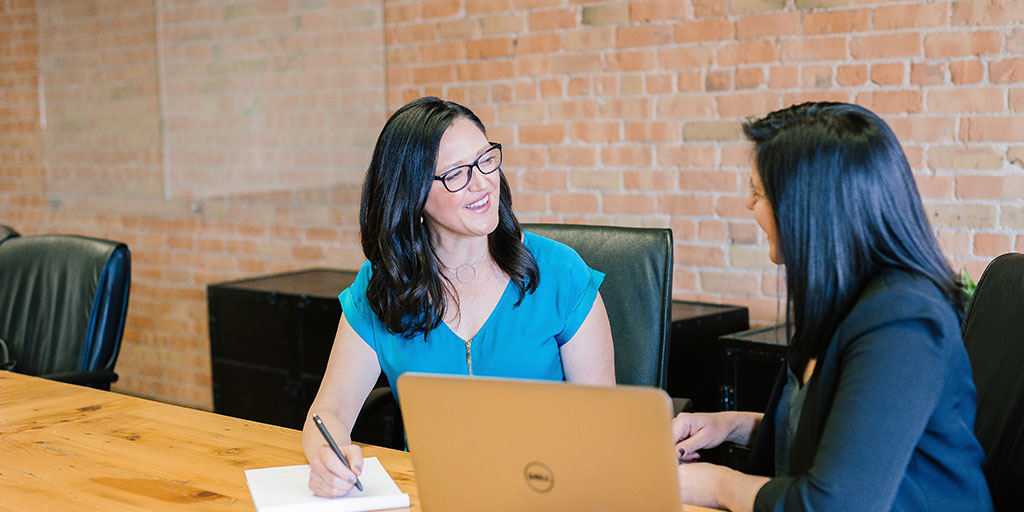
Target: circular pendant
{"x":466,"y":273}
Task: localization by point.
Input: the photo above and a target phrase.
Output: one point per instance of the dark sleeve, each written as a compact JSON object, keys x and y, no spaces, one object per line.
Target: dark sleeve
{"x":890,"y":379}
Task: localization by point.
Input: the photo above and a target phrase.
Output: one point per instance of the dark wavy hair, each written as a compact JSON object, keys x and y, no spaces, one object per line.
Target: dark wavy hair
{"x":407,"y":289}
{"x":846,"y":207}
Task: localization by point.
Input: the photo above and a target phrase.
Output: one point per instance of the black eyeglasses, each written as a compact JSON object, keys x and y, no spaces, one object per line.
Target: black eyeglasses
{"x":458,"y":178}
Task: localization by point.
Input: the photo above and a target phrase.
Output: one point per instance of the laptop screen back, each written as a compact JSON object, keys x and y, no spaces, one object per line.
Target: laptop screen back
{"x":504,"y":444}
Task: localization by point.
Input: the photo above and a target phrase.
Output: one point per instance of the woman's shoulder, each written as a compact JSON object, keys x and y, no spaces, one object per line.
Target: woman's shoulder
{"x":551,"y":253}
{"x":897,"y":295}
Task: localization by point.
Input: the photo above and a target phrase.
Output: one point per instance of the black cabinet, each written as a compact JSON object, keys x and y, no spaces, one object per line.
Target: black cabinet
{"x":695,"y":359}
{"x":270,"y":338}
{"x":752,"y":360}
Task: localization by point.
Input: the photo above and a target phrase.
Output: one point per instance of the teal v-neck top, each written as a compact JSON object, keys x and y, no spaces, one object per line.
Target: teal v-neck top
{"x":515,"y":341}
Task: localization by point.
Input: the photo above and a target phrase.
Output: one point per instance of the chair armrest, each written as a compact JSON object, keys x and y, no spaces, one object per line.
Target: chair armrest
{"x":681,"y":405}
{"x":93,"y":379}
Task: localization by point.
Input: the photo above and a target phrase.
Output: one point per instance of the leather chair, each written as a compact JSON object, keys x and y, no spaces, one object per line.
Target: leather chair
{"x":994,"y":337}
{"x":6,"y":233}
{"x":637,"y":293}
{"x":63,"y":300}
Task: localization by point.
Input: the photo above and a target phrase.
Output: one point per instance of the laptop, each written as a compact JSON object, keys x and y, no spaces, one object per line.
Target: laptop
{"x":504,"y":444}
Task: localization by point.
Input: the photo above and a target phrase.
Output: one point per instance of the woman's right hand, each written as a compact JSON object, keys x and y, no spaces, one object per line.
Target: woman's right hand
{"x":696,"y":431}
{"x":328,"y":477}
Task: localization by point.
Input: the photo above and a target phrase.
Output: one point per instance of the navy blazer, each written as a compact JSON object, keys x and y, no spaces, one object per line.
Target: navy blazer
{"x":888,"y":418}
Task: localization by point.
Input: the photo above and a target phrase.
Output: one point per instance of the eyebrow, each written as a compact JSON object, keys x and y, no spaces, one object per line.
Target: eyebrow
{"x":456,"y":164}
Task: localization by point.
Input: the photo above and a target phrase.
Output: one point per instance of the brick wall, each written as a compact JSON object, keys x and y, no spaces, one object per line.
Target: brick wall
{"x":611,"y":112}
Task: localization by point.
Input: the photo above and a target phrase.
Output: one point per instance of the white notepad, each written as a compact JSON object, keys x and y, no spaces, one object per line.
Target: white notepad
{"x":286,"y":489}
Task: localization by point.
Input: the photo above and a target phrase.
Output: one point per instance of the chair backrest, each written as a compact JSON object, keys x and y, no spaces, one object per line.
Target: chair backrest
{"x":637,"y":291}
{"x":7,"y":232}
{"x":63,"y":300}
{"x":994,"y":337}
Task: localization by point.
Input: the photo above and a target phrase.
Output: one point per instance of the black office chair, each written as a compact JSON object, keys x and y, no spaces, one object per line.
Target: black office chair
{"x":6,"y":233}
{"x":63,"y":300}
{"x":637,"y":292}
{"x":994,"y":337}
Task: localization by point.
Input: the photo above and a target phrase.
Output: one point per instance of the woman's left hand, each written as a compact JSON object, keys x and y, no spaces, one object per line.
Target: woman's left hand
{"x":698,"y":482}
{"x":711,"y":485}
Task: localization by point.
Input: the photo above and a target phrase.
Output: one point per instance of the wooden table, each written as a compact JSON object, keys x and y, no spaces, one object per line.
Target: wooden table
{"x":67,"y":447}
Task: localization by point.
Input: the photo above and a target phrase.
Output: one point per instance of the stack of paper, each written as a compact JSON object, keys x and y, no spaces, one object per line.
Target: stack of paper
{"x":286,"y":489}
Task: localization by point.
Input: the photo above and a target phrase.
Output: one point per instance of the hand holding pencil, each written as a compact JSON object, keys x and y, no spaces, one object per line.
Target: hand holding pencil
{"x":335,"y":470}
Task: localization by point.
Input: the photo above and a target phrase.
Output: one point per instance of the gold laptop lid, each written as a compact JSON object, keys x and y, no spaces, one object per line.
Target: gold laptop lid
{"x":518,"y":445}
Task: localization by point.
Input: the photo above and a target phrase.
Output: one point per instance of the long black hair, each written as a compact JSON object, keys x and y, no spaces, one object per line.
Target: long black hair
{"x":407,"y":289}
{"x":846,"y":207}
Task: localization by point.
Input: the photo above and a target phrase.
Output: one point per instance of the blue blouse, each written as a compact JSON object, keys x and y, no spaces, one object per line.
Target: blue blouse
{"x":515,"y":341}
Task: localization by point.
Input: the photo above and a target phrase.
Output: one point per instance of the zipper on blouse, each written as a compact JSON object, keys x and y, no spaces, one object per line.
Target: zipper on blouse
{"x":469,"y":360}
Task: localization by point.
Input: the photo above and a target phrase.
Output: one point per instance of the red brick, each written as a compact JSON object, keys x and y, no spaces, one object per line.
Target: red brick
{"x":626,"y":156}
{"x":631,"y":61}
{"x":542,"y":134}
{"x":704,"y":30}
{"x":643,"y":35}
{"x":685,"y":204}
{"x":706,"y":181}
{"x":682,"y":58}
{"x":816,"y":77}
{"x":595,"y":132}
{"x":766,"y":25}
{"x":836,"y":22}
{"x":747,"y":53}
{"x":991,"y":129}
{"x":851,"y":75}
{"x":892,"y":102}
{"x":658,"y":84}
{"x":699,"y":255}
{"x":749,"y":78}
{"x":746,"y":104}
{"x":488,"y":48}
{"x":573,"y":203}
{"x":888,"y":73}
{"x":966,"y":72}
{"x":720,"y":80}
{"x":628,"y":204}
{"x":991,"y":245}
{"x":904,"y":44}
{"x":963,"y":44}
{"x":999,"y":12}
{"x":918,"y":15}
{"x":558,"y":19}
{"x":970,"y":100}
{"x":660,"y":180}
{"x":784,"y":77}
{"x":813,"y":49}
{"x":653,"y":131}
{"x":656,"y":10}
{"x":1007,"y":71}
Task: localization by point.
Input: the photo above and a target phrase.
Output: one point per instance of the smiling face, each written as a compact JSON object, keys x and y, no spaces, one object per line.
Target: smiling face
{"x":472,"y":211}
{"x":758,"y":203}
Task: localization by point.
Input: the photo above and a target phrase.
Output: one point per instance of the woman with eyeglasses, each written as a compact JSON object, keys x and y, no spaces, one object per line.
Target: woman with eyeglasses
{"x":452,"y":284}
{"x":875,"y":406}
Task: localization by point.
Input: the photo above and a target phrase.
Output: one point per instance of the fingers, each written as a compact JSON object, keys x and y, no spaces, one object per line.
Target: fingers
{"x":354,"y":454}
{"x":682,"y":425}
{"x":328,"y":476}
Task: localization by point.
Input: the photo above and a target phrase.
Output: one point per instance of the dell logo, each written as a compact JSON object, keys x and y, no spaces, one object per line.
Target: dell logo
{"x":538,"y":477}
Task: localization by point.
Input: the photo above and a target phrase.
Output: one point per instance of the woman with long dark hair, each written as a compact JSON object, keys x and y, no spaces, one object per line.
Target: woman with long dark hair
{"x":452,"y":284}
{"x":875,"y":406}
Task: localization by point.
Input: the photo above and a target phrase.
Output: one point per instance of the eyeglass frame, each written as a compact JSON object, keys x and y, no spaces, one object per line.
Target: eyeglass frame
{"x":469,"y":174}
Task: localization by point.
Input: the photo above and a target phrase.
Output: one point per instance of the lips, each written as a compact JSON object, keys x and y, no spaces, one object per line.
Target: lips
{"x":479,"y":204}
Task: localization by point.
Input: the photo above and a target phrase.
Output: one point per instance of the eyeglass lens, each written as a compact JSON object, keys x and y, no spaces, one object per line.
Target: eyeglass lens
{"x":458,"y":178}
